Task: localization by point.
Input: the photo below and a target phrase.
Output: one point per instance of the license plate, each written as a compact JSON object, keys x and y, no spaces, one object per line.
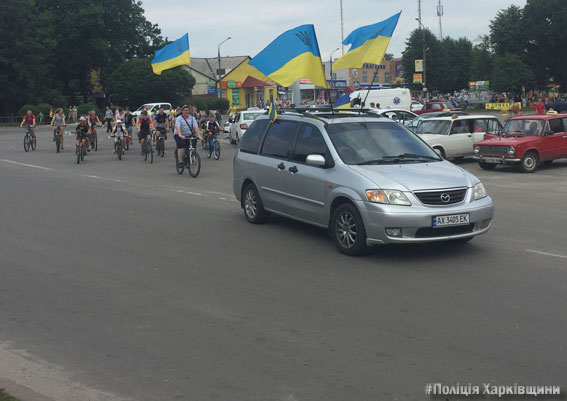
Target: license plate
{"x":491,"y":160}
{"x":451,"y":220}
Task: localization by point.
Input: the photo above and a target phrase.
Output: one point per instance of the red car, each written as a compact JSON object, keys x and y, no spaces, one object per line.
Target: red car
{"x":525,"y":141}
{"x":434,"y":106}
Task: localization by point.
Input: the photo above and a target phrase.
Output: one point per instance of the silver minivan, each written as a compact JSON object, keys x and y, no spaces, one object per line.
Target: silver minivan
{"x":366,"y":178}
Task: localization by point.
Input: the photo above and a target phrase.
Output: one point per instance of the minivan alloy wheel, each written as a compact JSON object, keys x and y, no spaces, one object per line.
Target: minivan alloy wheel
{"x":250,"y":204}
{"x":346,"y":229}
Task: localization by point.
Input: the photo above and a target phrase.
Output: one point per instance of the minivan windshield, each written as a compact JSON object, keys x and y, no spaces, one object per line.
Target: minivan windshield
{"x":378,"y":143}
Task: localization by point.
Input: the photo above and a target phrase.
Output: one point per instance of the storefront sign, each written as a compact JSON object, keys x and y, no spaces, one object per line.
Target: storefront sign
{"x":501,"y":106}
{"x":236,"y":97}
{"x":231,"y":84}
{"x":418,"y":66}
{"x":417,"y":78}
{"x":238,"y":84}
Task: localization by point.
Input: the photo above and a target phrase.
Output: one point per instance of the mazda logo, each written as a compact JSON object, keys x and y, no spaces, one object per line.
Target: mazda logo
{"x":445,"y":198}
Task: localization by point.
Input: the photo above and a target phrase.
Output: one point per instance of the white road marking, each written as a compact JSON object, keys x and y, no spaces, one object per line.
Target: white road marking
{"x":91,"y":176}
{"x":189,"y":192}
{"x":24,"y":164}
{"x":547,"y":254}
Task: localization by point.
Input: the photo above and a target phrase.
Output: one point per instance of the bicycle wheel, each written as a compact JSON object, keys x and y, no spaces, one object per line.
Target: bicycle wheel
{"x":162,"y":146}
{"x":217,"y":150}
{"x":26,"y":143}
{"x":95,"y":142}
{"x":151,"y":153}
{"x":33,"y":142}
{"x":78,"y":152}
{"x":146,"y":149}
{"x":119,"y":150}
{"x":83,"y":152}
{"x":194,"y":164}
{"x":127,"y":144}
{"x":57,"y":142}
{"x":208,"y":149}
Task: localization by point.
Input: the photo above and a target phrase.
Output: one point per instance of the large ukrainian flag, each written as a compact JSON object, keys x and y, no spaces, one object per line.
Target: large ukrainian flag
{"x":291,"y":56}
{"x":368,"y":44}
{"x":172,"y":55}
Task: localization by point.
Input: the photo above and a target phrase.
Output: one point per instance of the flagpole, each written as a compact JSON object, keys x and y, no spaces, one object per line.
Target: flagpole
{"x":370,"y":87}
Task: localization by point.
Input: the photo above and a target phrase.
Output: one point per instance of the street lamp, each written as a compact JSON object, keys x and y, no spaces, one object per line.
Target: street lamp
{"x":424,"y":51}
{"x":219,"y":70}
{"x":331,"y":64}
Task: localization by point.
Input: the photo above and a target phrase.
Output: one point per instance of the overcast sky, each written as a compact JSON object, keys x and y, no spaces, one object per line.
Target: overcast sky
{"x":254,"y":24}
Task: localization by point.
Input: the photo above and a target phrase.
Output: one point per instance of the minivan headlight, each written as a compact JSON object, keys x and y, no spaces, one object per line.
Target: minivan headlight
{"x":388,"y":196}
{"x":479,"y":191}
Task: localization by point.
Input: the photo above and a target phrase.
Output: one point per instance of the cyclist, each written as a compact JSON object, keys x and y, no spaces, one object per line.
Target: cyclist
{"x":145,"y":126}
{"x":212,"y":128}
{"x":82,"y":132}
{"x":93,"y":121}
{"x":161,"y":124}
{"x":186,"y":127}
{"x":58,"y":122}
{"x":119,"y":133}
{"x":29,"y":120}
{"x":129,"y":121}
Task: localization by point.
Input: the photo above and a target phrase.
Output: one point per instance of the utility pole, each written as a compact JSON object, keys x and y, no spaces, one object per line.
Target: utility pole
{"x":219,"y":71}
{"x":440,"y":14}
{"x":342,"y":31}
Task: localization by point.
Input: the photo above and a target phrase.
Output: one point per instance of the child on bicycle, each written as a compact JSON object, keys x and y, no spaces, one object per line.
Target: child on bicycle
{"x":82,"y":131}
{"x":145,"y":126}
{"x":29,"y":120}
{"x":58,"y":122}
{"x":211,"y":127}
{"x":119,"y":134}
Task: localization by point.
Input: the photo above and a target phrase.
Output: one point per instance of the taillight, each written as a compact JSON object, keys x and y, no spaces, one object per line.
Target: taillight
{"x":243,"y":126}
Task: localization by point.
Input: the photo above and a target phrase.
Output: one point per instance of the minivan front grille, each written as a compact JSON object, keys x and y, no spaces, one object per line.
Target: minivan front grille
{"x":430,"y":232}
{"x":442,"y":197}
{"x":493,"y":150}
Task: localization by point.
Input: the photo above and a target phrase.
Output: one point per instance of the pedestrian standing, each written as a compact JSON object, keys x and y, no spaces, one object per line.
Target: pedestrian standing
{"x":40,"y":118}
{"x":108,"y":118}
{"x":74,"y":114}
{"x":540,"y":107}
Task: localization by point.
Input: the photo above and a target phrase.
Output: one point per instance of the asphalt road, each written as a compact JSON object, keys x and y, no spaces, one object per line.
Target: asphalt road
{"x":152,"y":286}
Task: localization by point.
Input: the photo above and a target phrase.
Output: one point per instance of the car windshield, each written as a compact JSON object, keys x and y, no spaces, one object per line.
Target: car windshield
{"x":378,"y":143}
{"x":523,"y":127}
{"x":251,"y":116}
{"x":438,"y":127}
{"x":146,"y":106}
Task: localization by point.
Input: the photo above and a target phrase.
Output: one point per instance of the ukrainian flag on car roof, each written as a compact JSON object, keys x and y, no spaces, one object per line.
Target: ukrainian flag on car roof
{"x":291,"y":56}
{"x":172,"y":55}
{"x":368,"y":44}
{"x":343,"y":102}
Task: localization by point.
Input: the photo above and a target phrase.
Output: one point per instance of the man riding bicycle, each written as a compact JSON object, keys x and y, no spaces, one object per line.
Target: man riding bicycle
{"x":119,"y":133}
{"x":161,"y":124}
{"x":29,"y":120}
{"x":82,"y":132}
{"x":145,"y":126}
{"x":58,"y":122}
{"x":186,"y":127}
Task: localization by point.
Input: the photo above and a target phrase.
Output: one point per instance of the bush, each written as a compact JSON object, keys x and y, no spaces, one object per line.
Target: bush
{"x":218,"y":103}
{"x":44,"y":108}
{"x":200,"y":103}
{"x":85,"y":108}
{"x":32,"y":107}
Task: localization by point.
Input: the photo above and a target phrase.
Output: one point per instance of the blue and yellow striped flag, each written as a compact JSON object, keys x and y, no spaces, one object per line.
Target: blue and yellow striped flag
{"x":273,"y":114}
{"x":343,"y":102}
{"x":368,"y":44}
{"x":172,"y":55}
{"x":291,"y":56}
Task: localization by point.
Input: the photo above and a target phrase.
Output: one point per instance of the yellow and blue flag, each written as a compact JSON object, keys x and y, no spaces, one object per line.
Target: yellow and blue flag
{"x":291,"y":56}
{"x":343,"y":102}
{"x":273,"y":114}
{"x":172,"y":55}
{"x":368,"y":44}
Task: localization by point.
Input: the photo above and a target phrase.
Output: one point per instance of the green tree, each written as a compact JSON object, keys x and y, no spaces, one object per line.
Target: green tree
{"x":436,"y":60}
{"x":388,"y":56}
{"x":134,"y":81}
{"x":510,"y":73}
{"x":547,"y":42}
{"x":481,"y":60}
{"x":508,"y":34}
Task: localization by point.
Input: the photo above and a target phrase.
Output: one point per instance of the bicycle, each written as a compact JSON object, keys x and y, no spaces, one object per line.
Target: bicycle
{"x":191,"y":159}
{"x":29,"y":140}
{"x":57,"y":134}
{"x":160,"y":143}
{"x":81,"y":150}
{"x":148,"y":148}
{"x":212,"y":147}
{"x":118,"y":146}
{"x":94,"y":139}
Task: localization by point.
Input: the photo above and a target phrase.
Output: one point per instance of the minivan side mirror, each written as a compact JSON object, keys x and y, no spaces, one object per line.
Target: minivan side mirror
{"x":316,"y":160}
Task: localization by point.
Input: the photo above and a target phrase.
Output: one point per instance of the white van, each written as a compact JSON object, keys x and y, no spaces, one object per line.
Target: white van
{"x":397,"y":98}
{"x":151,"y":107}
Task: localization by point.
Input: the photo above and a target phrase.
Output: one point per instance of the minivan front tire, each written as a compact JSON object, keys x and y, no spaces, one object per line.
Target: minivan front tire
{"x":347,"y":230}
{"x":253,"y":206}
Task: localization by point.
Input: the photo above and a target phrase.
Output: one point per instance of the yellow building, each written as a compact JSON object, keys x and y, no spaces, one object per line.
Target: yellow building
{"x":244,"y":86}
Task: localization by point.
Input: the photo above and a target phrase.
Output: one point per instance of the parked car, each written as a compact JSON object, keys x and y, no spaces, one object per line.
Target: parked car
{"x":454,"y":136}
{"x":228,"y":123}
{"x":416,"y":106}
{"x":366,"y":178}
{"x":151,"y":107}
{"x":525,"y":141}
{"x":415,"y":122}
{"x":431,"y":107}
{"x":241,"y":122}
{"x":399,"y":115}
